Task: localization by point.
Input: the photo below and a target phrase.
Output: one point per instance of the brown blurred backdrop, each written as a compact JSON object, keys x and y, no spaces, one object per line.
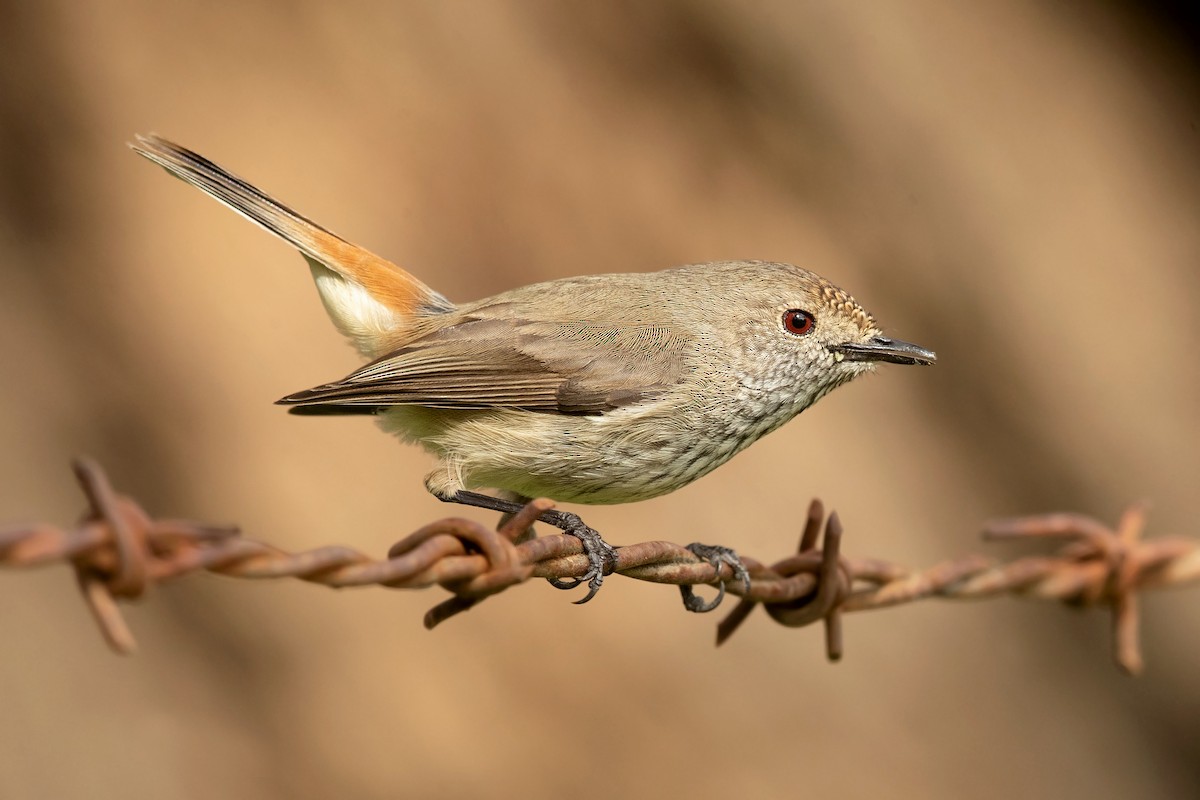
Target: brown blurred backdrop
{"x":1014,"y":184}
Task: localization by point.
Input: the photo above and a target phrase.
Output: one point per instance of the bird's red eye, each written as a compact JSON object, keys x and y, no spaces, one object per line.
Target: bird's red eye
{"x":798,"y":322}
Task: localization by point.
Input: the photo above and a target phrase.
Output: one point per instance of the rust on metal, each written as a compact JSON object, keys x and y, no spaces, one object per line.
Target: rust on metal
{"x":118,"y":552}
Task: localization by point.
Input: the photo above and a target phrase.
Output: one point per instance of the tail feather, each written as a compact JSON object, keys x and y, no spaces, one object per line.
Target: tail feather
{"x":388,"y":284}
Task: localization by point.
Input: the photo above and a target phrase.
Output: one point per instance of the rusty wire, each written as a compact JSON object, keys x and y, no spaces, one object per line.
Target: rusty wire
{"x":118,"y":552}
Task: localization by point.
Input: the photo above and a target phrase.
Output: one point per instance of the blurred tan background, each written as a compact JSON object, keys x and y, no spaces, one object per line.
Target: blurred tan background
{"x":1014,"y":184}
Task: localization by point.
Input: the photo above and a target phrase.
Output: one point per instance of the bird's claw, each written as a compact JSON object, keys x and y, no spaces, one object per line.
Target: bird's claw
{"x":602,"y":558}
{"x":716,"y":556}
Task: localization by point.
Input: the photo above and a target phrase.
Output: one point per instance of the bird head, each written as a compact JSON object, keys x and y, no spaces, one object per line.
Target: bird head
{"x":800,"y":336}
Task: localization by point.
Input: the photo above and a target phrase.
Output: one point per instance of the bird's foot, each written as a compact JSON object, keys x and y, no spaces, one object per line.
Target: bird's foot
{"x":602,"y":557}
{"x":716,"y":556}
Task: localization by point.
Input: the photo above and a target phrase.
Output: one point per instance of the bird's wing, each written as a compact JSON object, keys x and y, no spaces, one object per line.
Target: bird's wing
{"x":572,"y":367}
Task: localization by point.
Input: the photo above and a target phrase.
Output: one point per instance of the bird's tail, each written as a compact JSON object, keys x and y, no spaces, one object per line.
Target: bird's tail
{"x":369,"y":298}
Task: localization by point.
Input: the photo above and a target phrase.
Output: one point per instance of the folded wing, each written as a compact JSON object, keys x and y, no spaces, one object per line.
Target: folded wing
{"x":572,"y":367}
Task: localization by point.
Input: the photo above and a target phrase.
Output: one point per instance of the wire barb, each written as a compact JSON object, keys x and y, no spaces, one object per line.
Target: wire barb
{"x":118,"y":552}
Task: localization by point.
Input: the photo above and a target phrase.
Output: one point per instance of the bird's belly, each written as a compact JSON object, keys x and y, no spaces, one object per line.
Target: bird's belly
{"x":584,"y":469}
{"x":573,"y":459}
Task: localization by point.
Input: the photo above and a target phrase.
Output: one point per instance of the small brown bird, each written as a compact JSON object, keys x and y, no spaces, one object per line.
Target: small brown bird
{"x":596,"y":389}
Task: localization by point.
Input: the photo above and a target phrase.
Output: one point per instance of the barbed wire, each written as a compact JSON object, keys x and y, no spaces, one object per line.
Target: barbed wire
{"x":118,"y":552}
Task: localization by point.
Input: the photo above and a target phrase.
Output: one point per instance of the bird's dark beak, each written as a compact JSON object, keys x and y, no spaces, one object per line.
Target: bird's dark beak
{"x":881,"y":348}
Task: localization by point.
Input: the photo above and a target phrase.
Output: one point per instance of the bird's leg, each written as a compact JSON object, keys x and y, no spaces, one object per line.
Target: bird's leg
{"x":716,"y":556}
{"x":506,"y":517}
{"x":602,"y":557}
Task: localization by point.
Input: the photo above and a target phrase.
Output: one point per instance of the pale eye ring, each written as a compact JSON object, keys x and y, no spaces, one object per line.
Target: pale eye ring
{"x":798,"y":322}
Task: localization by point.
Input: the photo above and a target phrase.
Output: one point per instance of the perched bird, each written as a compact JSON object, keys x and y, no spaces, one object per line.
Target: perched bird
{"x":597,"y":389}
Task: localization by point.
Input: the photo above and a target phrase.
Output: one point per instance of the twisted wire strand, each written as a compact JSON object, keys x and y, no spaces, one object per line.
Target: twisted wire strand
{"x":118,"y":552}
